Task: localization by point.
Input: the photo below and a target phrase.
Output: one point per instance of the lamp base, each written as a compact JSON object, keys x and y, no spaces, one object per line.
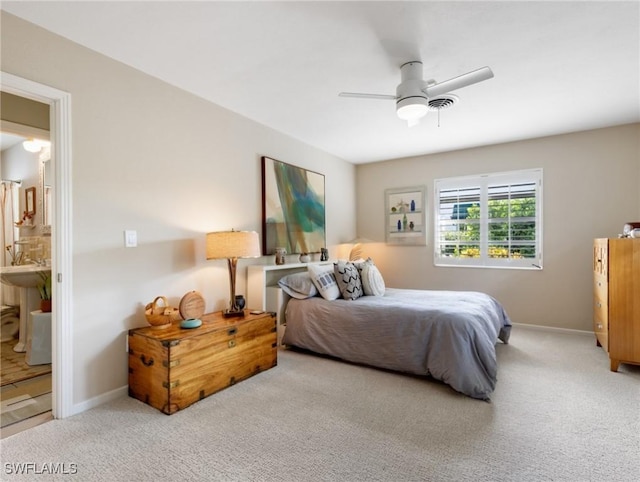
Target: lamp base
{"x":231,"y":313}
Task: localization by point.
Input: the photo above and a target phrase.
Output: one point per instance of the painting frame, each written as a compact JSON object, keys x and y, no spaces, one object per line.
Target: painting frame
{"x":293,"y":208}
{"x":405,"y":216}
{"x":30,"y":201}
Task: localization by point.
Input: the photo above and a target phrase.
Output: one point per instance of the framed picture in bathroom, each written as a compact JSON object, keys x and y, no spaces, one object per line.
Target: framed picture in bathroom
{"x":30,"y":200}
{"x":405,"y":218}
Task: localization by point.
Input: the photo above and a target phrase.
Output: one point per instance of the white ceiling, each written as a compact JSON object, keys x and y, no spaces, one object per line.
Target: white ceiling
{"x":559,"y":66}
{"x":9,"y":140}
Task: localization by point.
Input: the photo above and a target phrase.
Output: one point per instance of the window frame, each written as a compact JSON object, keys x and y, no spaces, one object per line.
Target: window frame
{"x":483,"y":182}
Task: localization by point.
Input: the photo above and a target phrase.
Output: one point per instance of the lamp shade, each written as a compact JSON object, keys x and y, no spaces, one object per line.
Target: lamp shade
{"x":233,"y":244}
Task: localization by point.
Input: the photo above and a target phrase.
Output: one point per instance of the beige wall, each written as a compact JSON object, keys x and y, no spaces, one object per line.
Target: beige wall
{"x":590,"y":190}
{"x":150,"y":157}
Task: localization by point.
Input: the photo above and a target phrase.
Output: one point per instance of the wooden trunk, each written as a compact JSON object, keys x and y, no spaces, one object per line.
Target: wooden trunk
{"x":173,"y":368}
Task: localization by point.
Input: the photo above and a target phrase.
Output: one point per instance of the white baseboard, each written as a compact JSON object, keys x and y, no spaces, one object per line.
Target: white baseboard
{"x":100,"y":399}
{"x":554,"y":329}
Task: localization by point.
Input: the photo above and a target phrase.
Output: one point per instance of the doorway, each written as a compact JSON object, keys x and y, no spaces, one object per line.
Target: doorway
{"x":25,"y":353}
{"x":61,"y":234}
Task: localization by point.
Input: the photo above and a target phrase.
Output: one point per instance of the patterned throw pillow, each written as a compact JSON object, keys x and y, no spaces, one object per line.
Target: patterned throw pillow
{"x":322,"y":276}
{"x":348,"y":279}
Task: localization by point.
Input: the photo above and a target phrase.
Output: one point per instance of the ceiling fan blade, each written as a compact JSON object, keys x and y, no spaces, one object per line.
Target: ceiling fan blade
{"x":367,"y":96}
{"x":463,"y":80}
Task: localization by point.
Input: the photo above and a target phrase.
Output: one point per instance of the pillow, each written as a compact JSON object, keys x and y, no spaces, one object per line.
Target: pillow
{"x":360,"y":265}
{"x":298,"y":285}
{"x":348,"y":279}
{"x":323,"y":278}
{"x":372,"y":281}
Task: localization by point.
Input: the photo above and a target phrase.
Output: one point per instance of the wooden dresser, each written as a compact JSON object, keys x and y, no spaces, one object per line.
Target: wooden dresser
{"x":616,"y":311}
{"x":173,"y":368}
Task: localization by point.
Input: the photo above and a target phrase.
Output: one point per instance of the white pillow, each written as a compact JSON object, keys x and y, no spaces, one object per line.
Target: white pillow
{"x":298,"y":285}
{"x":372,"y":281}
{"x":324,"y":279}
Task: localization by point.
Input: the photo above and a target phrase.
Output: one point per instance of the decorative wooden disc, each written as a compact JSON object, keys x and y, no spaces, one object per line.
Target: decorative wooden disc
{"x":192,"y":305}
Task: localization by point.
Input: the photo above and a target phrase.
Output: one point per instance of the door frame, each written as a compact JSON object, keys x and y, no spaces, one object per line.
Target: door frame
{"x":61,"y":234}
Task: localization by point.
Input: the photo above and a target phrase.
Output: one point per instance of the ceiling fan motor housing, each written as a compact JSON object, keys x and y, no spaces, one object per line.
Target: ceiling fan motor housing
{"x":411,"y":100}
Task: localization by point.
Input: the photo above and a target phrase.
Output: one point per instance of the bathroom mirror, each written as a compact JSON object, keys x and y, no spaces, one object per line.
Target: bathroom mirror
{"x":30,"y":200}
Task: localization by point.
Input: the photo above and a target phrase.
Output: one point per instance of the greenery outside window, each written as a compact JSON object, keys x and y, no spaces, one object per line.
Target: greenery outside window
{"x":491,"y":220}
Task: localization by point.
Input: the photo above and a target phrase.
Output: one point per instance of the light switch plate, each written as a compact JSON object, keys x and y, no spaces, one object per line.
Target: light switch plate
{"x":130,"y":239}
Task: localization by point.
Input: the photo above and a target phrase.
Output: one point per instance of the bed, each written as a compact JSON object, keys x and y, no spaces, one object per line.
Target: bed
{"x":448,"y":335}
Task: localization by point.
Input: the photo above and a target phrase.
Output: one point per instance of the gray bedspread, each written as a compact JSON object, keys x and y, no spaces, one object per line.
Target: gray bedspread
{"x":449,"y":335}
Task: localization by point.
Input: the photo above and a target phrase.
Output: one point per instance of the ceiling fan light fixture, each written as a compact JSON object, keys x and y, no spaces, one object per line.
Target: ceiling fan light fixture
{"x":412,"y":109}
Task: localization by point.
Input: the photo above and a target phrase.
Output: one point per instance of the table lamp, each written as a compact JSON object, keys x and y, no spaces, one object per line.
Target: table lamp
{"x":231,"y":245}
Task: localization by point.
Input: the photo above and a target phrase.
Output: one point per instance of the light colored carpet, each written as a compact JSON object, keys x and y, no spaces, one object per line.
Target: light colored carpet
{"x":558,"y":413}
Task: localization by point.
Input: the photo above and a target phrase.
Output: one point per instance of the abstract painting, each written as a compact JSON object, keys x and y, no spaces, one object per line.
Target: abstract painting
{"x":293,"y":208}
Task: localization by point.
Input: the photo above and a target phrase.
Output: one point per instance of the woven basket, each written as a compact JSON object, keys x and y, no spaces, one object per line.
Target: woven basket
{"x":161,"y":316}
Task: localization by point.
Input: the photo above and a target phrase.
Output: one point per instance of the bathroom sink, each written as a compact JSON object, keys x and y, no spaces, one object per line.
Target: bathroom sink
{"x":25,"y":276}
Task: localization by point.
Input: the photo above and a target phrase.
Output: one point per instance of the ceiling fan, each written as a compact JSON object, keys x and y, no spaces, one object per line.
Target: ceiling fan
{"x":413,"y":93}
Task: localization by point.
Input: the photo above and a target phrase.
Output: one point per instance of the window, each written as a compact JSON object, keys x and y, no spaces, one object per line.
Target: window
{"x":492,"y":220}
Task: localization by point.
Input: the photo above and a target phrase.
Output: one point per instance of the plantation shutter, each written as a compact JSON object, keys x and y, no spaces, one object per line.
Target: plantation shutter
{"x":493,"y":220}
{"x":459,"y":226}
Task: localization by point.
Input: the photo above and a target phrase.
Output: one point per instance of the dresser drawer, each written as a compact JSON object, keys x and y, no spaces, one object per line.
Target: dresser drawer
{"x":600,"y":257}
{"x":600,"y":290}
{"x":601,"y":330}
{"x":601,"y":310}
{"x":600,"y":297}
